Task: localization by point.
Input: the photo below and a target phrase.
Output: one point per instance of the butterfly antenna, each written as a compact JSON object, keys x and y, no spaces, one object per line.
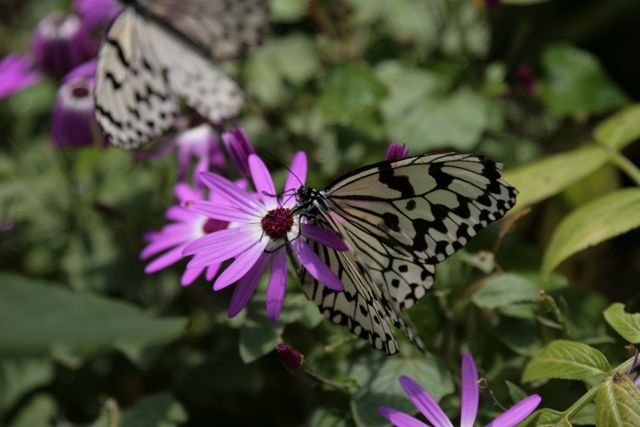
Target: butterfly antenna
{"x":267,"y":154}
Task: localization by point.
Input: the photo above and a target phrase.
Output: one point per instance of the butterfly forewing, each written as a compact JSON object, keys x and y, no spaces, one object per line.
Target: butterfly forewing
{"x":133,"y":100}
{"x":227,"y":28}
{"x":430,"y":206}
{"x":401,"y":218}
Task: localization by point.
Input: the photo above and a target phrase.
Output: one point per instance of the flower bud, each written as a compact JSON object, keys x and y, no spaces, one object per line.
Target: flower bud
{"x":396,"y":151}
{"x":73,"y":121}
{"x":290,"y":358}
{"x":61,"y":43}
{"x":239,"y":148}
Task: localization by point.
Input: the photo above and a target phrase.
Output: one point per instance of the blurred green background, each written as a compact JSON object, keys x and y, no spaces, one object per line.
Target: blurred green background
{"x":87,"y":338}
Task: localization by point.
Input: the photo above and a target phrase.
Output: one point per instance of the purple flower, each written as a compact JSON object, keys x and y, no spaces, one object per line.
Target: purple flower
{"x":186,"y":226}
{"x":73,"y":121}
{"x":290,"y":357}
{"x":527,"y":79}
{"x":16,"y":74}
{"x":239,"y":148}
{"x":396,"y":151}
{"x":97,"y":12}
{"x":61,"y":43}
{"x":633,"y":372}
{"x":200,"y":143}
{"x":262,"y":228}
{"x":469,"y":404}
{"x":197,"y":143}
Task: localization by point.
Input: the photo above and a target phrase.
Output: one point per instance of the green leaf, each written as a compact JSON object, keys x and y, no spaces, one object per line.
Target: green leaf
{"x":626,"y":324}
{"x":567,"y":360}
{"x":259,"y":336}
{"x":618,"y":402}
{"x":288,"y":10}
{"x":546,"y":177}
{"x":72,"y":321}
{"x":19,"y":376}
{"x":576,"y":83}
{"x":270,"y":68}
{"x":425,"y":123}
{"x":324,"y":418}
{"x":160,"y":410}
{"x":350,"y":91}
{"x":546,"y":418}
{"x":621,"y":129}
{"x":380,"y":385}
{"x":504,"y":290}
{"x":586,"y":416}
{"x":38,"y":412}
{"x":593,"y":223}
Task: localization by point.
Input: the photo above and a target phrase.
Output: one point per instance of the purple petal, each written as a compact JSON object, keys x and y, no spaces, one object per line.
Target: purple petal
{"x":165,"y":260}
{"x":470,"y":392}
{"x":224,"y":213}
{"x":399,"y":419}
{"x":230,"y":192}
{"x":162,"y":242}
{"x":221,"y":240}
{"x":180,"y":214}
{"x":396,"y":151}
{"x":297,"y":172}
{"x":517,"y":412}
{"x":263,"y":182}
{"x":277,"y":284}
{"x":425,"y":403}
{"x":240,"y":266}
{"x":247,"y":286}
{"x":221,"y":251}
{"x":190,"y":275}
{"x":323,"y":236}
{"x":212,"y":270}
{"x":185,"y":192}
{"x":315,"y":266}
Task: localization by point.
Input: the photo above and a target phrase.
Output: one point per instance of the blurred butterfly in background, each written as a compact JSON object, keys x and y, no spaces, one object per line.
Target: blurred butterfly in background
{"x":399,"y":219}
{"x":159,"y":52}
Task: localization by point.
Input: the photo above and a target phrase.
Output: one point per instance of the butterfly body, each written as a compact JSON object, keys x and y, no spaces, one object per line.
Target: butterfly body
{"x":398,"y":219}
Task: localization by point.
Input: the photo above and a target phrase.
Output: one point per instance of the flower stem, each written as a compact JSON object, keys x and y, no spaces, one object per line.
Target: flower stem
{"x":625,"y":165}
{"x":327,"y":382}
{"x":590,"y":394}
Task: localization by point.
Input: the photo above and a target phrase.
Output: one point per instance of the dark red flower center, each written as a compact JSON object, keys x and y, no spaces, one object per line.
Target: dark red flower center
{"x":277,"y":223}
{"x":213,"y":225}
{"x":80,"y":90}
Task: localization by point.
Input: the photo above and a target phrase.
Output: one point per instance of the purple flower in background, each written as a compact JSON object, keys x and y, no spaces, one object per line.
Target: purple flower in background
{"x":290,"y":357}
{"x":469,"y":404}
{"x":97,"y":12}
{"x":73,"y":122}
{"x":186,"y":226}
{"x":262,"y":227}
{"x":527,"y":79}
{"x":16,"y":74}
{"x":239,"y":148}
{"x":200,"y":143}
{"x":396,"y":151}
{"x":61,"y":43}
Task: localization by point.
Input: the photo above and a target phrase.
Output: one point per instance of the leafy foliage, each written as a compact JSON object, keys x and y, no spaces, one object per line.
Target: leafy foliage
{"x":89,"y":339}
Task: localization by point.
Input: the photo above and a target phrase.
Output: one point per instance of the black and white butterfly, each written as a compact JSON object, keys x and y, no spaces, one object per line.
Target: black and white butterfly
{"x":158,"y":52}
{"x":399,"y":219}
